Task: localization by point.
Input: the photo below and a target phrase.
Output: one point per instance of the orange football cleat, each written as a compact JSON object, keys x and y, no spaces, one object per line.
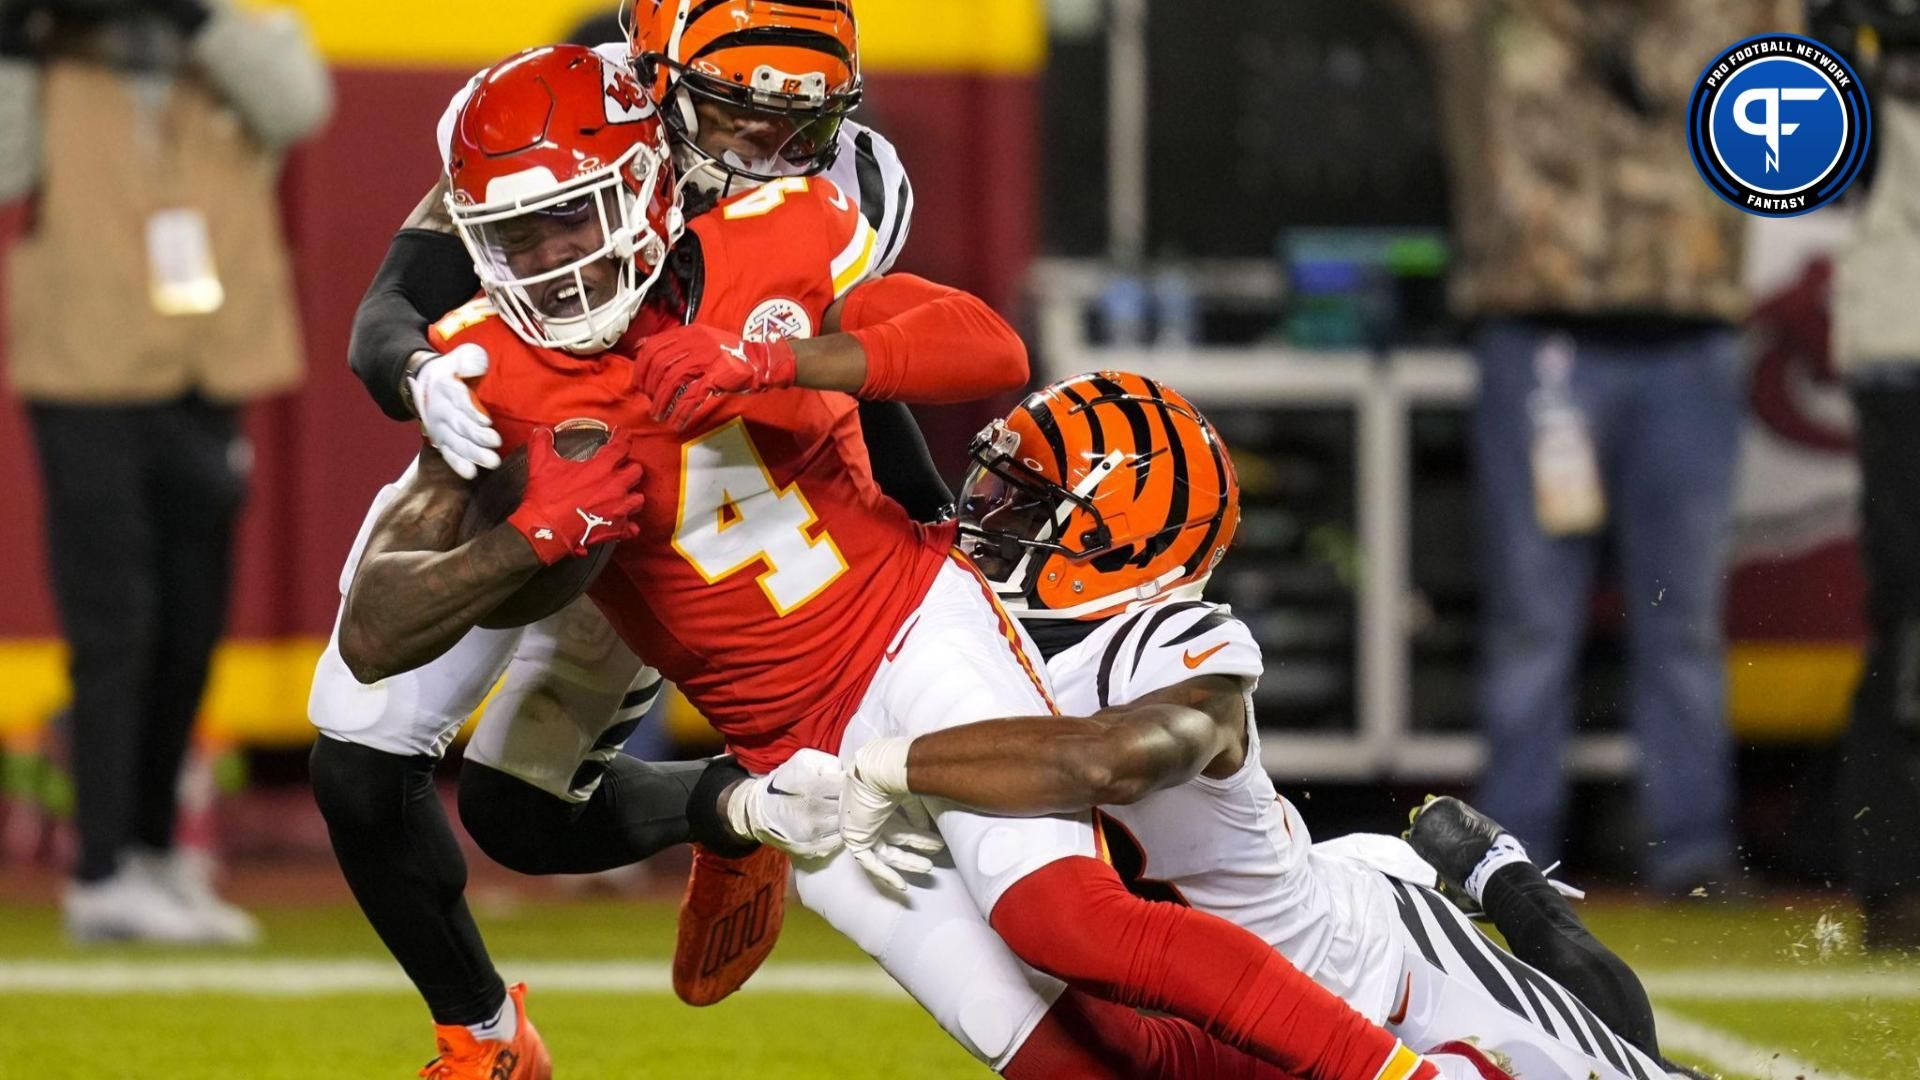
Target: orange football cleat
{"x":729,"y":920}
{"x":463,"y":1057}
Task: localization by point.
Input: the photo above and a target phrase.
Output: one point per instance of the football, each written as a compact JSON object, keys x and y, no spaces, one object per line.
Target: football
{"x":497,"y":494}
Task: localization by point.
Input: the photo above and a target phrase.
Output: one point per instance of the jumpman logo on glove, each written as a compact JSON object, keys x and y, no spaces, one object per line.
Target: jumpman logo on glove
{"x":594,"y":521}
{"x":603,"y":491}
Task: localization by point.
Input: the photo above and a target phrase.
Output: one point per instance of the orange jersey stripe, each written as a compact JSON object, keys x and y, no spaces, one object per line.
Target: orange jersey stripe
{"x":1009,"y":630}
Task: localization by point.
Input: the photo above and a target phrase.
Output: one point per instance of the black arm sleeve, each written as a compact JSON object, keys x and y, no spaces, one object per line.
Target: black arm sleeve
{"x":901,"y":464}
{"x":425,"y":275}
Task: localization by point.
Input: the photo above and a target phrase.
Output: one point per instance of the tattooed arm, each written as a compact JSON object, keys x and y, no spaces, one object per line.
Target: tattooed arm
{"x":418,"y":590}
{"x":1061,"y":764}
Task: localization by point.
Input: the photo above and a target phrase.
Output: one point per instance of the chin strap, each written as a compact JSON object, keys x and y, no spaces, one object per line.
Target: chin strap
{"x":1139,"y":594}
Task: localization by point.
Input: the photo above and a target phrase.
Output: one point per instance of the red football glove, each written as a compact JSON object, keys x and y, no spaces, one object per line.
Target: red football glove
{"x":687,"y":369}
{"x":571,"y":505}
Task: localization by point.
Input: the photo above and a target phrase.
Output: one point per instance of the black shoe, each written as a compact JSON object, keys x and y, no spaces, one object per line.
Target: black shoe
{"x":1677,"y":1071}
{"x":1453,"y":837}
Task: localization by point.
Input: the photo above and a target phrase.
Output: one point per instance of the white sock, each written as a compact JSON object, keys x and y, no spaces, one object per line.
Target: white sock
{"x":501,"y":1028}
{"x":1505,"y":851}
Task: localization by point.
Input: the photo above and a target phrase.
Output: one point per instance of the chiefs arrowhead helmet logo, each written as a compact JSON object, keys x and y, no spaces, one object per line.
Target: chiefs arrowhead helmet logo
{"x":625,"y":100}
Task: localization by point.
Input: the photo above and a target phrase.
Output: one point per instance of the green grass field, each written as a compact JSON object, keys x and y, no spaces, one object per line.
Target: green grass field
{"x":1763,"y":994}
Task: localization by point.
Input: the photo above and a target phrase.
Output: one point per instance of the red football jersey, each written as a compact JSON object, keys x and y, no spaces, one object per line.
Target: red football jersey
{"x":770,"y":572}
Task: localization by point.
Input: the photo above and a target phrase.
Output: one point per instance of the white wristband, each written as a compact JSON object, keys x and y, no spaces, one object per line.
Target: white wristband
{"x":737,"y":809}
{"x":1504,"y":851}
{"x":882,"y":764}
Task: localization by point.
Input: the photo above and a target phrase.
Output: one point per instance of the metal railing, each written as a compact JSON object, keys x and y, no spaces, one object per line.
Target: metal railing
{"x":1382,"y":391}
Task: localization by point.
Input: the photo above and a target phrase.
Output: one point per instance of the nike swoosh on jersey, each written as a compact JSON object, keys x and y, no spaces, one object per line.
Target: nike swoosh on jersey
{"x":1193,"y":661}
{"x":1406,"y":997}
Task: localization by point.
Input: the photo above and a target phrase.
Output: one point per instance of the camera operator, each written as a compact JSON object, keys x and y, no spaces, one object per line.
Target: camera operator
{"x":149,"y":298}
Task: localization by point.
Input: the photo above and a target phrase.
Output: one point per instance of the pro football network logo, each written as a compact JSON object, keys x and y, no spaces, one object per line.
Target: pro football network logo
{"x":1778,"y":125}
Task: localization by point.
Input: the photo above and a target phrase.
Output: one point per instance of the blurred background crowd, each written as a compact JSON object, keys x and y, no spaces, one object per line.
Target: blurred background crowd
{"x":1567,"y":485}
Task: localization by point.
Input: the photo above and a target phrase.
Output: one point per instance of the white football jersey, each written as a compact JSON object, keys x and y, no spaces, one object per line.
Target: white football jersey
{"x":1231,"y":847}
{"x":866,"y":167}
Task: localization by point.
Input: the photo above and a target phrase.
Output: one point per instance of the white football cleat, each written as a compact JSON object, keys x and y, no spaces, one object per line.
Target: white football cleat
{"x":127,"y":907}
{"x":187,"y":876}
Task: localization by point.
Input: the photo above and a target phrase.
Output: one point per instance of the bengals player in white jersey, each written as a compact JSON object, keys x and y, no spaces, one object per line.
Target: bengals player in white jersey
{"x":755,"y":556}
{"x":1098,"y":509}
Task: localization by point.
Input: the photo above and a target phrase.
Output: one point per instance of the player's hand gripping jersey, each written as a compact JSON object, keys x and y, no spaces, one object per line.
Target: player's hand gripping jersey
{"x":769,"y":571}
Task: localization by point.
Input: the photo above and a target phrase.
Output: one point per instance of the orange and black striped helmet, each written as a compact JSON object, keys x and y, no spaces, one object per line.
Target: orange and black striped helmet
{"x":1099,"y":491}
{"x":752,"y":90}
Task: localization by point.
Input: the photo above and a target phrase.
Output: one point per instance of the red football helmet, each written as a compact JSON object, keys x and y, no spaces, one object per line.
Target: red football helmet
{"x":562,"y":188}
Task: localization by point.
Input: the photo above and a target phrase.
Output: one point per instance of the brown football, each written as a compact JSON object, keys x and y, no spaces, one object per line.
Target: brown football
{"x":497,"y":494}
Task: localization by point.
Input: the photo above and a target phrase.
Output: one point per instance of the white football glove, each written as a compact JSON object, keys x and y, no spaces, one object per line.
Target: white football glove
{"x":795,"y":808}
{"x":453,"y":423}
{"x":881,"y":841}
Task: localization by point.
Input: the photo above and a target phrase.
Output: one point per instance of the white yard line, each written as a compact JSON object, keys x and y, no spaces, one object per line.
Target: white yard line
{"x":1779,"y":984}
{"x":346,"y":976}
{"x":288,"y":977}
{"x":1729,"y":1051}
{"x":309,"y":978}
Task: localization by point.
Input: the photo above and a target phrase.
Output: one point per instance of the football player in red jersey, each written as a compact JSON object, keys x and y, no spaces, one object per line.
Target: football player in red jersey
{"x":760,"y":569}
{"x":546,"y":787}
